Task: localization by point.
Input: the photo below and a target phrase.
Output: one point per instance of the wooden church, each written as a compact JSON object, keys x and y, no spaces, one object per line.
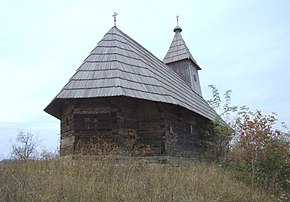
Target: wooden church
{"x":123,"y":92}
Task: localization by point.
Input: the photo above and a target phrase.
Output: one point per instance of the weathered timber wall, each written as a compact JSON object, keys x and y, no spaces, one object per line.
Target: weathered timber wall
{"x":151,"y":127}
{"x":144,"y":128}
{"x":140,"y":127}
{"x":87,"y":122}
{"x":183,"y":133}
{"x":95,"y":123}
{"x":188,"y":72}
{"x":127,"y":123}
{"x":67,"y":129}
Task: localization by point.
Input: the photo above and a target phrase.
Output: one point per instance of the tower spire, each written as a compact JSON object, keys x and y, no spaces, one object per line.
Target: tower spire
{"x":177,"y":29}
{"x":115,"y":15}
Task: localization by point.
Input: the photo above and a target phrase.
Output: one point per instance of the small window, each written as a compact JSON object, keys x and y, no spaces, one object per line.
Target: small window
{"x":191,"y":129}
{"x":89,"y":123}
{"x":84,"y":122}
{"x":194,"y":77}
{"x":170,"y":128}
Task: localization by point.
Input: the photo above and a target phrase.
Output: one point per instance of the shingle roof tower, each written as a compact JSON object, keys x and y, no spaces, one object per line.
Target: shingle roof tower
{"x":179,"y":58}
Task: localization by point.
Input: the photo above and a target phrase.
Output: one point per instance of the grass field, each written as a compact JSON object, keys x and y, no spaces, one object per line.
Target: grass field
{"x":131,"y":180}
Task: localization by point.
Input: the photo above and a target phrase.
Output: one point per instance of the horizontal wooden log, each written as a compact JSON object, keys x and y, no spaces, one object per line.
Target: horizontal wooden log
{"x":67,"y":141}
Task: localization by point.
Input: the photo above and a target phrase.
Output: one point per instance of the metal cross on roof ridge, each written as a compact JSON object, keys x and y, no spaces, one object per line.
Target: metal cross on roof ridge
{"x":177,"y":19}
{"x":114,"y":15}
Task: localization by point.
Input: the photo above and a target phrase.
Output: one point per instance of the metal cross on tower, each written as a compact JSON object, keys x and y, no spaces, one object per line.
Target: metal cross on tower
{"x":114,"y":15}
{"x":177,"y":19}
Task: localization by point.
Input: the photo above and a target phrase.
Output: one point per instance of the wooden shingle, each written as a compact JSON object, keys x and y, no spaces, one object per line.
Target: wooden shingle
{"x":119,"y":66}
{"x":178,"y":50}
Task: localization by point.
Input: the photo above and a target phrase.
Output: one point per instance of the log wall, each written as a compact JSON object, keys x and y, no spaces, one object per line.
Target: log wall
{"x":144,"y":128}
{"x":183,"y":133}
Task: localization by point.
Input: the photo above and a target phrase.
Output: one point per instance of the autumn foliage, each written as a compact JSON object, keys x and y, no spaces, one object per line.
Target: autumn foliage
{"x":260,"y":153}
{"x":265,"y":149}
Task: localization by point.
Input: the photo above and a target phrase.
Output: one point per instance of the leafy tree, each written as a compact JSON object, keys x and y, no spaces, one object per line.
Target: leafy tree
{"x":26,"y":146}
{"x":259,"y":150}
{"x":228,"y":112}
{"x":215,"y":102}
{"x":220,"y":131}
{"x":264,"y":149}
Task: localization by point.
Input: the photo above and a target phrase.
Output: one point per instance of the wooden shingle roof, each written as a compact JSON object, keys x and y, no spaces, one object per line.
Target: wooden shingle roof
{"x":119,"y":66}
{"x":178,"y":49}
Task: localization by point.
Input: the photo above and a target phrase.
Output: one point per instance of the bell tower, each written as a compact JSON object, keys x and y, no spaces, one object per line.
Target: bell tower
{"x":179,"y":58}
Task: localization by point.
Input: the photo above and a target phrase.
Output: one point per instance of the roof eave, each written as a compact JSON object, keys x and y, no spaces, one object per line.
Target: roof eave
{"x":188,"y":58}
{"x":192,"y":61}
{"x":54,"y":108}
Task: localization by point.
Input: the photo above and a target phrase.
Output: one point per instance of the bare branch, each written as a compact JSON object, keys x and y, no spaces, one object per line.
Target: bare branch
{"x":26,"y":145}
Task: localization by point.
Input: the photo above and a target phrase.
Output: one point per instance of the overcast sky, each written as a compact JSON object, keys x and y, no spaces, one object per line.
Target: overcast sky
{"x":242,"y":45}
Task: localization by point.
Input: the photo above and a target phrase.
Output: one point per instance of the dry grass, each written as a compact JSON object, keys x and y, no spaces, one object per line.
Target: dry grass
{"x":106,"y":180}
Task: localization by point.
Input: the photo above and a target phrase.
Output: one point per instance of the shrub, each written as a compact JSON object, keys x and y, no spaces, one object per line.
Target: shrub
{"x":265,"y":150}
